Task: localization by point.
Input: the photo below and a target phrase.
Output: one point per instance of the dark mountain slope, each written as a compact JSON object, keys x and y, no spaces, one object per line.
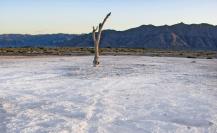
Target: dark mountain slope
{"x":179,"y":36}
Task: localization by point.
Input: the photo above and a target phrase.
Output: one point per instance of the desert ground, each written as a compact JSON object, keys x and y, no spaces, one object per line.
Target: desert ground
{"x":125,"y":94}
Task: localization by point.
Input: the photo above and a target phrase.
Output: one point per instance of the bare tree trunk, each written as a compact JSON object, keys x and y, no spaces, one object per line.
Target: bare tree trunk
{"x":96,"y":39}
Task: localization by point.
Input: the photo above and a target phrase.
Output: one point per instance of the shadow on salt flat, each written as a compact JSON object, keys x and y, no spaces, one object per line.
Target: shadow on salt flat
{"x":148,"y":125}
{"x":52,"y":123}
{"x":192,"y":122}
{"x":181,"y":120}
{"x":61,"y":112}
{"x":3,"y":116}
{"x":89,"y":72}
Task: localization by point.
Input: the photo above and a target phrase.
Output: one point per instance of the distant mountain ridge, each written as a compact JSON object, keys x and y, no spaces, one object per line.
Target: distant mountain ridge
{"x":178,"y":36}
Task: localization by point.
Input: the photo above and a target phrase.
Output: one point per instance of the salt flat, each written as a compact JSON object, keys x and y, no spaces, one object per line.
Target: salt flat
{"x":125,"y":94}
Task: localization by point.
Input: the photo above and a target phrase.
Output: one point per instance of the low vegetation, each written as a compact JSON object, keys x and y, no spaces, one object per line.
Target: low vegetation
{"x":106,"y":51}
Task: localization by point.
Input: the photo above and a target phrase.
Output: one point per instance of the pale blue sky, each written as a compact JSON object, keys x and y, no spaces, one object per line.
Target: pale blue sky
{"x":78,"y":16}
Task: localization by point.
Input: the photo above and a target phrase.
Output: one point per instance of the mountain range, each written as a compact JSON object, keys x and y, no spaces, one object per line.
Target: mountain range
{"x":179,"y":36}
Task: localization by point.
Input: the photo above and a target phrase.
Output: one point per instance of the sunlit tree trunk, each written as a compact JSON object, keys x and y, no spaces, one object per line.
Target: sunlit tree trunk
{"x":96,"y":39}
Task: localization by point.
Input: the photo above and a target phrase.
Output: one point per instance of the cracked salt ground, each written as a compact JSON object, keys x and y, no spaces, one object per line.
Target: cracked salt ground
{"x":125,"y":94}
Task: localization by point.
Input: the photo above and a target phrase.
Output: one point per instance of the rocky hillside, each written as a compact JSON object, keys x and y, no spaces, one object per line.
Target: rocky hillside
{"x":179,"y":36}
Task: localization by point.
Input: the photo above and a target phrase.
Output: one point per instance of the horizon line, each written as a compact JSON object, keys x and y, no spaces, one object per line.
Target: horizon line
{"x":110,"y":29}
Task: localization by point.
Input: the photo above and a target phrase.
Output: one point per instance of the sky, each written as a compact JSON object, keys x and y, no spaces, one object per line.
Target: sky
{"x":78,"y":16}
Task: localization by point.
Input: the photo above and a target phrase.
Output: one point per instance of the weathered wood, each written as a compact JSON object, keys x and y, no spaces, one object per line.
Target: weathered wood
{"x":96,"y":39}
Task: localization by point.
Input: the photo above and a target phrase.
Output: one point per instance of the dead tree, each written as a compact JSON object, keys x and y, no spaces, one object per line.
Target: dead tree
{"x":96,"y":39}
